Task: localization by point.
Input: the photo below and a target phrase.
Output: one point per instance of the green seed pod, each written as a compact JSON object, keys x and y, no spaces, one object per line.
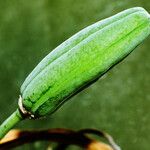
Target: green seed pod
{"x":78,"y":62}
{"x":82,"y":59}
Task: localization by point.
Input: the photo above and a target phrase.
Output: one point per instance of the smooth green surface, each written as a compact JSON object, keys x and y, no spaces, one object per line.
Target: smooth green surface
{"x":118,"y":103}
{"x":10,"y":123}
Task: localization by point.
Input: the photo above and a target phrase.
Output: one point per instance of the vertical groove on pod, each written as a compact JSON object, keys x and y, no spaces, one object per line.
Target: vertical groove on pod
{"x":74,"y":42}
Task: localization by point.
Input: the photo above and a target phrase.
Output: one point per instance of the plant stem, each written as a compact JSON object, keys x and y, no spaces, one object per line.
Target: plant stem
{"x":9,"y":123}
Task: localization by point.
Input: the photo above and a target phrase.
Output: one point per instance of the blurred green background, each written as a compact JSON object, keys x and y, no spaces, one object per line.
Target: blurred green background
{"x":118,"y":103}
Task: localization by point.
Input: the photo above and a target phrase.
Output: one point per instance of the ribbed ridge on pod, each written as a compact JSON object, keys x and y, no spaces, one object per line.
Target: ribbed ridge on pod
{"x":82,"y":59}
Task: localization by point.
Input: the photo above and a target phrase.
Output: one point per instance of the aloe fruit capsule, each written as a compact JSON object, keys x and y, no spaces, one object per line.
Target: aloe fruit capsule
{"x":82,"y":59}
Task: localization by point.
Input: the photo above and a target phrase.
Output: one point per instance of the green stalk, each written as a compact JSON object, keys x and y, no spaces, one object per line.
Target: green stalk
{"x":9,"y":123}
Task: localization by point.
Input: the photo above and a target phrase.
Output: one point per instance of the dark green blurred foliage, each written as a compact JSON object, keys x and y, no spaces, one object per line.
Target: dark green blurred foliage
{"x":118,"y":103}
